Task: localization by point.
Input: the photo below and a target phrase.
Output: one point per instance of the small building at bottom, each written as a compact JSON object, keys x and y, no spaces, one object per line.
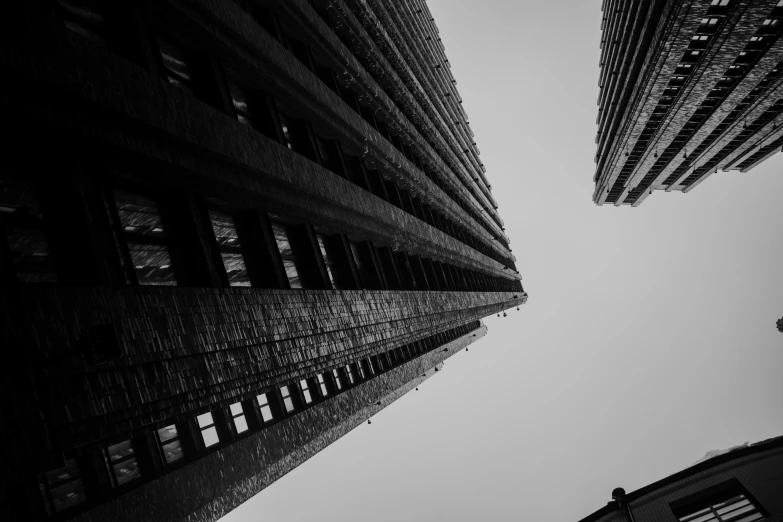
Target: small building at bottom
{"x":743,"y":484}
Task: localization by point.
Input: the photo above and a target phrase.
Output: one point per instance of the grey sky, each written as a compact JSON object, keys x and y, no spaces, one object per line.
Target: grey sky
{"x":649,"y":337}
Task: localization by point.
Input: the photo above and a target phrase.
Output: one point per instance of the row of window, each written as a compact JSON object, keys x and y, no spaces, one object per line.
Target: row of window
{"x":159,"y":242}
{"x":148,"y":456}
{"x":225,"y":89}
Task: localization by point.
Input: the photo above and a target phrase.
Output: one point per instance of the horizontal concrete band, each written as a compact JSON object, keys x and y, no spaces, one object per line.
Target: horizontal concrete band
{"x":210,"y":487}
{"x":184,"y":349}
{"x":219,"y":155}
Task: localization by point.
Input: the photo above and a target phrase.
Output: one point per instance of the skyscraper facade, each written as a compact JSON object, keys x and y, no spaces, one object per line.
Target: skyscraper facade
{"x":687,"y":88}
{"x":231,"y":231}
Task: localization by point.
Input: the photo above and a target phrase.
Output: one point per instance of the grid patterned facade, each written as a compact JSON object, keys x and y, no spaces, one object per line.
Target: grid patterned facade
{"x":230,"y":232}
{"x":687,"y":87}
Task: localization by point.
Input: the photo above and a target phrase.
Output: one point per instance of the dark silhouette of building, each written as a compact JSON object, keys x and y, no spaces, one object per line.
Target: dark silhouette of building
{"x":741,"y":485}
{"x":686,"y":88}
{"x":780,"y":324}
{"x":231,"y":232}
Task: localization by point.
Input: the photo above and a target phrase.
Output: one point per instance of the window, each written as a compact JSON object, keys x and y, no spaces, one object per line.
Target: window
{"x":209,"y":433}
{"x":83,"y":18}
{"x":349,"y":373}
{"x":360,"y":370}
{"x":337,"y":382}
{"x":145,"y":238}
{"x":720,"y":3}
{"x":308,"y":398}
{"x":230,"y":251}
{"x":239,"y":100}
{"x":263,"y":404}
{"x":770,"y":22}
{"x":327,"y":261}
{"x":709,"y":22}
{"x":25,"y":233}
{"x":169,"y":444}
{"x":288,"y":402}
{"x":700,"y":38}
{"x":756,"y":38}
{"x":322,"y":385}
{"x":289,"y":259}
{"x":62,"y":488}
{"x":121,"y":463}
{"x":177,"y":71}
{"x":238,"y":414}
{"x":730,"y":505}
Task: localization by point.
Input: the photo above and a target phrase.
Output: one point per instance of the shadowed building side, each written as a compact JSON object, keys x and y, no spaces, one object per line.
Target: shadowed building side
{"x":229,"y":232}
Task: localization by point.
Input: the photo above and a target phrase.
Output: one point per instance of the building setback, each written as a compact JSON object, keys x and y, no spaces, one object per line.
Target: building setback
{"x":741,"y":485}
{"x":231,"y":231}
{"x":686,"y":88}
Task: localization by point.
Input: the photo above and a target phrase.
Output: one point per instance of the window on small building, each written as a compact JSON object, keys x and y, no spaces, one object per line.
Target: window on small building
{"x":238,"y":414}
{"x":145,"y":238}
{"x":230,"y":249}
{"x":24,"y":230}
{"x":287,"y":254}
{"x":730,"y":505}
{"x":288,"y":402}
{"x":177,"y":71}
{"x":62,"y":488}
{"x":337,"y":382}
{"x":169,"y":444}
{"x":322,"y":385}
{"x":209,"y":432}
{"x":263,"y":404}
{"x":121,"y":463}
{"x":308,"y":398}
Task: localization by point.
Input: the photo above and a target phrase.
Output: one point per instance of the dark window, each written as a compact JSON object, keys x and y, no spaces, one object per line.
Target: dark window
{"x":330,"y":266}
{"x":208,"y":431}
{"x":263,"y":404}
{"x":727,"y":502}
{"x":230,"y":250}
{"x":121,"y":463}
{"x":290,"y":261}
{"x":178,"y":72}
{"x":62,"y":488}
{"x":239,"y":100}
{"x":169,"y":444}
{"x":21,"y":218}
{"x":238,"y":414}
{"x":146,"y":241}
{"x":84,"y":18}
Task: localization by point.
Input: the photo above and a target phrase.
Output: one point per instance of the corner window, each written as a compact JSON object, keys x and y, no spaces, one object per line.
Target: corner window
{"x":208,"y":431}
{"x":169,"y":444}
{"x":263,"y":405}
{"x":62,"y":488}
{"x":230,"y":249}
{"x":238,"y":414}
{"x":121,"y":463}
{"x":288,"y":402}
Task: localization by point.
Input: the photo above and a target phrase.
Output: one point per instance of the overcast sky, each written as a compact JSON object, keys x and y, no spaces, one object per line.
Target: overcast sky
{"x":648,"y":340}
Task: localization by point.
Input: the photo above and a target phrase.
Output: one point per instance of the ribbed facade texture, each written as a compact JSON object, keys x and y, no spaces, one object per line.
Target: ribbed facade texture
{"x":231,"y":231}
{"x":687,"y":88}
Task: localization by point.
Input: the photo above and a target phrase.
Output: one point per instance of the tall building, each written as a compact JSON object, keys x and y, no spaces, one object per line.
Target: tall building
{"x":231,"y":232}
{"x":687,"y":88}
{"x":742,"y":484}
